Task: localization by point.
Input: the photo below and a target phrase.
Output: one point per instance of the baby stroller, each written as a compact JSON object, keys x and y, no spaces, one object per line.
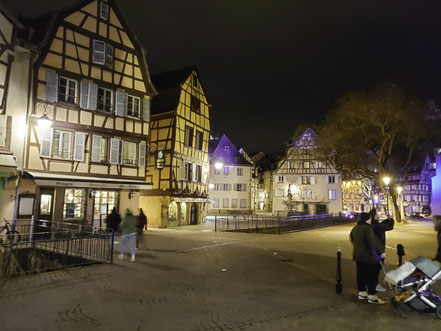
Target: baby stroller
{"x":412,"y":281}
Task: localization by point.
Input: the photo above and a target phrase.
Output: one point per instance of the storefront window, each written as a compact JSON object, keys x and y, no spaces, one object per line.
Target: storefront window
{"x":74,"y":202}
{"x":172,"y":211}
{"x":104,"y":203}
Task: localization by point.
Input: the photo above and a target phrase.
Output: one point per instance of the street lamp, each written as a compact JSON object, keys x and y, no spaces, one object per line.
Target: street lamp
{"x":44,"y":122}
{"x":386,"y":181}
{"x":218,"y":165}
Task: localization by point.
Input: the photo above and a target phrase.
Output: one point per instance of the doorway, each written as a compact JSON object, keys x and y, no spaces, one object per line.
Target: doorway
{"x":193,"y":214}
{"x":45,"y":210}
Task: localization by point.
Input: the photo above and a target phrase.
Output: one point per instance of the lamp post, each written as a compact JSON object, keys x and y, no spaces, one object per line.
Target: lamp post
{"x":386,"y":181}
{"x":400,"y":201}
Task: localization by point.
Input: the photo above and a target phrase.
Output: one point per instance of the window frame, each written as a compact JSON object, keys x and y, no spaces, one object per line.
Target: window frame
{"x":110,"y":111}
{"x":126,"y":144}
{"x":188,"y":136}
{"x":129,"y":111}
{"x":104,"y":11}
{"x":60,"y":143}
{"x":59,"y":94}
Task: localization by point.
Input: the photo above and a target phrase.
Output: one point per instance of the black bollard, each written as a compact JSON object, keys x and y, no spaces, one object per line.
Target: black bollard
{"x":400,"y":253}
{"x":338,"y":285}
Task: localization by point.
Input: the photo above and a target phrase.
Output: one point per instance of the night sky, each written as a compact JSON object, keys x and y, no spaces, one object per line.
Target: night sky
{"x":268,"y":66}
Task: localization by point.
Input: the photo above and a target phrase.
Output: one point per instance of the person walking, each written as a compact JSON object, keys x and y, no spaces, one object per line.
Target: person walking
{"x":113,"y":221}
{"x":437,"y":222}
{"x":380,"y":229}
{"x":128,"y":231}
{"x":142,"y":223}
{"x":364,"y":249}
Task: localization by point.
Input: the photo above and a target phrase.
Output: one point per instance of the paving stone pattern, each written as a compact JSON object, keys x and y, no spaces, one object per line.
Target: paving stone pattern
{"x":195,"y":279}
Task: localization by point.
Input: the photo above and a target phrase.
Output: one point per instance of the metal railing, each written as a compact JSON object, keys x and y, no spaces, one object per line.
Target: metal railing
{"x":275,"y":224}
{"x":45,"y":246}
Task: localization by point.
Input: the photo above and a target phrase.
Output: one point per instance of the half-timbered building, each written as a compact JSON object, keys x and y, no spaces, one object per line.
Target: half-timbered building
{"x":178,"y":155}
{"x":303,"y":183}
{"x":15,"y":64}
{"x":91,"y":80}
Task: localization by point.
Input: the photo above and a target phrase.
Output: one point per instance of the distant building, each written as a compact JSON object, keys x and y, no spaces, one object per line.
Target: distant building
{"x":231,"y":179}
{"x":302,"y":183}
{"x":178,"y":151}
{"x":417,"y":191}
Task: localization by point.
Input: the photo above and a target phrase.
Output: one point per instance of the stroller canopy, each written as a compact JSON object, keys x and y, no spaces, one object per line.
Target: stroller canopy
{"x":425,"y":265}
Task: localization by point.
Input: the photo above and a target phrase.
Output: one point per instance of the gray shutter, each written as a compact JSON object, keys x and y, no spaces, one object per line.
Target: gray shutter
{"x":80,"y":140}
{"x":109,"y":56}
{"x":142,"y":152}
{"x":244,"y":187}
{"x":84,"y":95}
{"x":46,"y":142}
{"x":327,"y":179}
{"x":114,"y":151}
{"x":51,"y":86}
{"x":336,"y":179}
{"x":93,"y":95}
{"x":182,"y":173}
{"x":99,"y":52}
{"x":194,"y":172}
{"x":96,"y":148}
{"x":120,"y":107}
{"x":299,"y":180}
{"x":312,"y":180}
{"x":146,"y":110}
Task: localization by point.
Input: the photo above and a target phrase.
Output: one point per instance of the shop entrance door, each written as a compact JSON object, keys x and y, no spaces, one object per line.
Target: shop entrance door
{"x":45,"y":213}
{"x":194,"y":214}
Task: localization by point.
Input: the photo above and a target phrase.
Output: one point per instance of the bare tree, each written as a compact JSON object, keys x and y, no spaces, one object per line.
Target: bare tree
{"x":377,"y":133}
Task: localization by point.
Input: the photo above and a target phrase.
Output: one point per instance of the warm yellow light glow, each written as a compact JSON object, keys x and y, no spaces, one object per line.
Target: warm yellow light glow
{"x":210,"y":186}
{"x":399,"y":189}
{"x":44,"y":122}
{"x":218,"y":165}
{"x":386,"y":180}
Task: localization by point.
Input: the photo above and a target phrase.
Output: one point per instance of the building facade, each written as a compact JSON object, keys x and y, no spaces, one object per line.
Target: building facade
{"x":230,"y":178}
{"x":178,"y":151}
{"x":304,"y":184}
{"x":91,"y":80}
{"x":15,"y":68}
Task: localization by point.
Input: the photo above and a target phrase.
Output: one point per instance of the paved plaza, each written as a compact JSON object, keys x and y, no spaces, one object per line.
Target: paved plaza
{"x":192,"y":278}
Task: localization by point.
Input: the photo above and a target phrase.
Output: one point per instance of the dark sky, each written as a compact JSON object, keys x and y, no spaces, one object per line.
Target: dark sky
{"x":269,"y":65}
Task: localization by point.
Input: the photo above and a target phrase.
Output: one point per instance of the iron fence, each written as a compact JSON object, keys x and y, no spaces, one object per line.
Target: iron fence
{"x":45,"y":246}
{"x":275,"y":224}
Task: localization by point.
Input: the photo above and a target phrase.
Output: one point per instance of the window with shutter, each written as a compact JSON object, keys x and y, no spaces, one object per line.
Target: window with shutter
{"x":312,"y":180}
{"x":104,"y":10}
{"x":142,"y":154}
{"x":99,"y":52}
{"x":104,"y":100}
{"x":51,"y":86}
{"x":146,"y":110}
{"x":93,"y":95}
{"x":193,"y":172}
{"x":114,"y":150}
{"x":120,"y":107}
{"x":67,"y":90}
{"x":61,"y":144}
{"x":84,"y":95}
{"x":128,"y":153}
{"x":133,"y":106}
{"x":80,"y":140}
{"x":46,"y":142}
{"x":96,"y":148}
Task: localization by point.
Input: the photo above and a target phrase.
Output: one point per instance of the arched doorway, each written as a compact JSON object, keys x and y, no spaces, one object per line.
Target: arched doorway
{"x":194,"y":214}
{"x":183,"y":213}
{"x":172,"y":211}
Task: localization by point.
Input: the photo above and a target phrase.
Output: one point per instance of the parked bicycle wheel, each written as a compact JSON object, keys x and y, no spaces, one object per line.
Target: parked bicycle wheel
{"x":13,"y":236}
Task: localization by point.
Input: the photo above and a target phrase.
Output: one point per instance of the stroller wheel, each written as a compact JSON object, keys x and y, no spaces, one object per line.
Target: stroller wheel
{"x":438,"y":312}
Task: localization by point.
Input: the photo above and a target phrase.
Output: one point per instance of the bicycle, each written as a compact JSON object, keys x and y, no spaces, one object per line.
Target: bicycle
{"x":8,"y":232}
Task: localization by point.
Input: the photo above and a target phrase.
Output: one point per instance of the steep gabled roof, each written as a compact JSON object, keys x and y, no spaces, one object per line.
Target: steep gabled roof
{"x":230,"y":157}
{"x":172,"y":79}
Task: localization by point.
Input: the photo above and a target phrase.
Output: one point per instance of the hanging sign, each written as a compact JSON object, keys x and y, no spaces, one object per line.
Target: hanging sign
{"x":160,"y":160}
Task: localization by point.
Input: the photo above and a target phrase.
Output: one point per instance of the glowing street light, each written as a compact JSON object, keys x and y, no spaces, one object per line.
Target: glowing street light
{"x":218,"y":165}
{"x":399,"y":189}
{"x":386,"y":180}
{"x":44,"y":122}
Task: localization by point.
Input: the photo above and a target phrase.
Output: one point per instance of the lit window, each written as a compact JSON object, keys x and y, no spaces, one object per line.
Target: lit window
{"x":74,"y":202}
{"x":61,"y":144}
{"x":306,"y":164}
{"x":129,"y":153}
{"x":133,"y":106}
{"x":331,"y":194}
{"x":67,"y":91}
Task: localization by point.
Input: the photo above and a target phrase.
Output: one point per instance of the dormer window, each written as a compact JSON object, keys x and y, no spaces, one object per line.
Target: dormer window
{"x":195,"y":81}
{"x":104,"y":11}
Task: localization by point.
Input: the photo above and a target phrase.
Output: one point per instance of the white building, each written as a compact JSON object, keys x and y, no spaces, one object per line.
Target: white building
{"x":302,"y":183}
{"x":230,"y":179}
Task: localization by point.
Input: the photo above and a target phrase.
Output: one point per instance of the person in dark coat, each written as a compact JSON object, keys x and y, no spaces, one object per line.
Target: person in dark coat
{"x":364,"y":253}
{"x":437,"y":222}
{"x":380,"y":229}
{"x":113,"y":220}
{"x":141,"y":224}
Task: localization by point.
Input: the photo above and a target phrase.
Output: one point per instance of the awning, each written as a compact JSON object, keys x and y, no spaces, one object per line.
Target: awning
{"x":190,"y":199}
{"x":46,"y":179}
